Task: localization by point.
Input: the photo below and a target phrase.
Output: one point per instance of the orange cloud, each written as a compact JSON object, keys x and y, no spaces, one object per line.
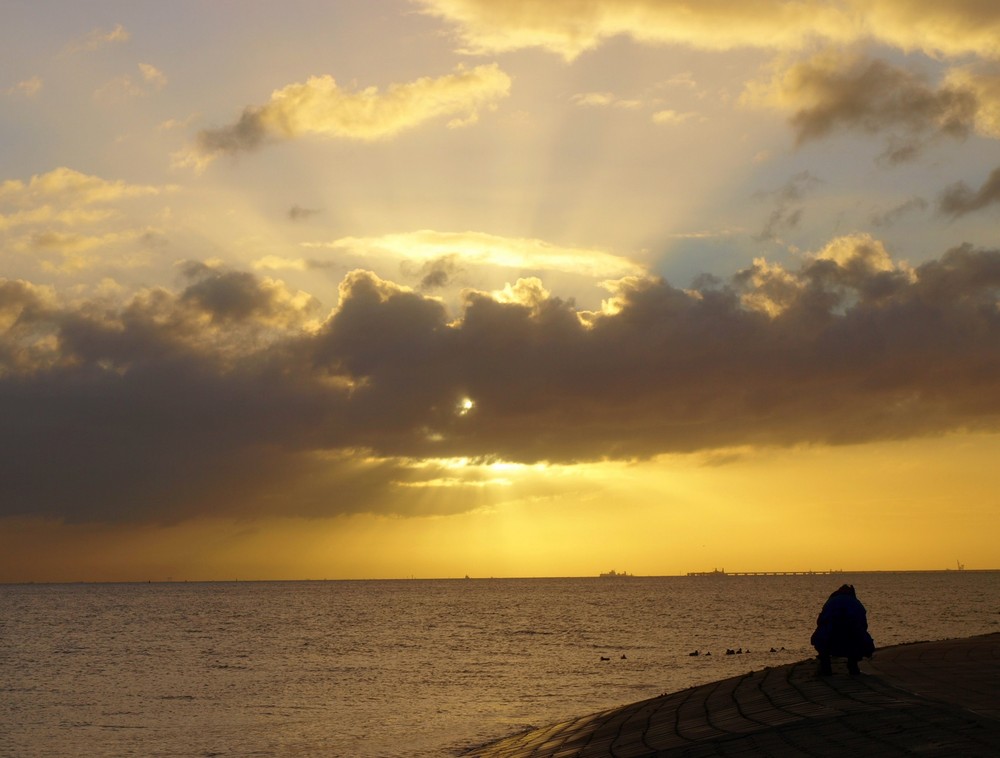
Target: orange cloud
{"x":69,"y":186}
{"x":27,"y":88}
{"x":320,"y":107}
{"x":571,"y":27}
{"x":98,"y":38}
{"x":488,"y":249}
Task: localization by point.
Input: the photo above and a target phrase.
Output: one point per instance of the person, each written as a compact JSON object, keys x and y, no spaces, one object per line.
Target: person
{"x":842,"y":631}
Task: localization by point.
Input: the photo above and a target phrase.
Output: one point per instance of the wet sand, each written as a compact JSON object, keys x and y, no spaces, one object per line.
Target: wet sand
{"x":927,"y":698}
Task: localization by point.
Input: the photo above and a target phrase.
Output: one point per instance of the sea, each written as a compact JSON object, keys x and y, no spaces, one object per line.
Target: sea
{"x":411,"y":667}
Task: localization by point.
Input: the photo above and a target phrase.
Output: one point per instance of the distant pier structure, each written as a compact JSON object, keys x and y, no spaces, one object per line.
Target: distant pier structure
{"x":723,"y":572}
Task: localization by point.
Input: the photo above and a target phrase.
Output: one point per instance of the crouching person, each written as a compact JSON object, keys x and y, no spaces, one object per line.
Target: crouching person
{"x":842,"y":631}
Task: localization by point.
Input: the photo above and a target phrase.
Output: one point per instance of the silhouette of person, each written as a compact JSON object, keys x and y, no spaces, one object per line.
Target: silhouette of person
{"x":842,"y":631}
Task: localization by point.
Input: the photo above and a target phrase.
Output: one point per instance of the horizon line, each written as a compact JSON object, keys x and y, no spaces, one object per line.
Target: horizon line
{"x":688,"y":575}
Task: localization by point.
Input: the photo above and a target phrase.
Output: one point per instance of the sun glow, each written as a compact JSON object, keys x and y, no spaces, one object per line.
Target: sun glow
{"x":348,"y":344}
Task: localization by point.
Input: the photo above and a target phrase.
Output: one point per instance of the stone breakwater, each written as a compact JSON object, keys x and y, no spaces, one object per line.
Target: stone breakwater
{"x":928,"y":699}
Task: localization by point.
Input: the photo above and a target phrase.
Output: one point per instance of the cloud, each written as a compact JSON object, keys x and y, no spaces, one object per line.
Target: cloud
{"x":319,"y":107}
{"x":70,"y":242}
{"x":437,"y":273}
{"x":593,"y":99}
{"x":46,"y":214}
{"x":69,"y":186}
{"x":98,"y":38}
{"x":488,"y":249}
{"x":890,"y":217}
{"x":834,"y":91}
{"x":173,"y":123}
{"x":571,"y":27}
{"x":229,"y":297}
{"x":153,"y":76}
{"x":49,"y":212}
{"x":125,"y":87}
{"x":960,"y":199}
{"x":227,"y":396}
{"x":672,"y":117}
{"x":28,"y":88}
{"x":604,"y":100}
{"x":68,"y":252}
{"x":859,"y":255}
{"x":61,"y":218}
{"x":984,"y":83}
{"x":297,"y":212}
{"x":957,"y":28}
{"x":662,"y":116}
{"x":279,"y":263}
{"x":787,"y":200}
{"x":685,"y":80}
{"x":118,"y":89}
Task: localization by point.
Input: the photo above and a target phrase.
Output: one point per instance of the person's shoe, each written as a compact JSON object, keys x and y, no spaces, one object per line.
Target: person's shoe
{"x":824,"y":665}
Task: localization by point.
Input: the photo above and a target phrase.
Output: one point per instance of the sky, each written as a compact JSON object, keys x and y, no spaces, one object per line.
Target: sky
{"x":436,"y":288}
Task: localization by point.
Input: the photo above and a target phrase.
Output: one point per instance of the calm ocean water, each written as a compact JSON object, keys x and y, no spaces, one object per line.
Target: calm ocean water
{"x":405,"y":668}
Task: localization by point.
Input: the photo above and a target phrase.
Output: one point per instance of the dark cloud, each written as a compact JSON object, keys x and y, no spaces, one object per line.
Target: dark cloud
{"x":228,"y":296}
{"x":894,"y":214}
{"x":787,"y":211}
{"x":215,"y":400}
{"x":959,"y":198}
{"x":874,"y":96}
{"x":247,"y":134}
{"x":434,"y":274}
{"x":297,"y":213}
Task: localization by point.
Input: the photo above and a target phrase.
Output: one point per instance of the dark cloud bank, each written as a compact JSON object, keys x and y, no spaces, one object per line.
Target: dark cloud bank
{"x":215,"y":399}
{"x":873,"y":96}
{"x":959,"y":198}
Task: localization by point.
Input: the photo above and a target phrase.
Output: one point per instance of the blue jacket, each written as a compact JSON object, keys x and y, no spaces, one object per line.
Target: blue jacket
{"x":842,"y":627}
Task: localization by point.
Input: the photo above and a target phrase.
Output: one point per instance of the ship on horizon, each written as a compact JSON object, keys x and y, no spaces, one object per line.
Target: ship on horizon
{"x":615,"y":575}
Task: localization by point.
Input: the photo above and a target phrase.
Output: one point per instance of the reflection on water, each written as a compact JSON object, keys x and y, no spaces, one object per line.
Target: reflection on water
{"x":406,"y":667}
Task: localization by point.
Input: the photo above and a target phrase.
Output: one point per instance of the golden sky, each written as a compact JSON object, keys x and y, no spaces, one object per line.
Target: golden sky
{"x":498,"y":287}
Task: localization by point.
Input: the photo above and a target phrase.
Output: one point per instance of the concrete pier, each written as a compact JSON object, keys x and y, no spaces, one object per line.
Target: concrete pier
{"x":928,"y":698}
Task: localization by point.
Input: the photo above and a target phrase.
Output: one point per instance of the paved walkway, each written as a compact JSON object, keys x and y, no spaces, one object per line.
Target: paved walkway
{"x":928,"y":699}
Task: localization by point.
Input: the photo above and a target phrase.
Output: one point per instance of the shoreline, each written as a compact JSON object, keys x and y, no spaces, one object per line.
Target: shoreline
{"x":933,"y":698}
